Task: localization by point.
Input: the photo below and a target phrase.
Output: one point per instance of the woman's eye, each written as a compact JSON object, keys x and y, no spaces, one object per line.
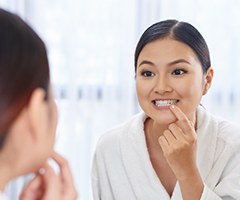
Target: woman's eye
{"x":147,"y":73}
{"x":178,"y":72}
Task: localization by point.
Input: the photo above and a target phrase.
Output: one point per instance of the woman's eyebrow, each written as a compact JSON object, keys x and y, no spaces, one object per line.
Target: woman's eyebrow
{"x":146,"y":62}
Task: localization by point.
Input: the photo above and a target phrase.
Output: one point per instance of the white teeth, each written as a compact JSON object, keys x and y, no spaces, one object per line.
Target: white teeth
{"x":165,"y":102}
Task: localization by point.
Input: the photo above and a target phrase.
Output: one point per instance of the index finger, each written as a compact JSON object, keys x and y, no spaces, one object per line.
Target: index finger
{"x":184,"y":123}
{"x":68,"y":186}
{"x":65,"y":172}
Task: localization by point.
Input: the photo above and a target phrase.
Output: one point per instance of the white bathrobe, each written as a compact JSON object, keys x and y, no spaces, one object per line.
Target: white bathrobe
{"x":122,"y":169}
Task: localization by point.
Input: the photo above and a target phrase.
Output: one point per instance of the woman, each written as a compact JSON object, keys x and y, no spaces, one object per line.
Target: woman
{"x":28,"y":114}
{"x":175,"y":149}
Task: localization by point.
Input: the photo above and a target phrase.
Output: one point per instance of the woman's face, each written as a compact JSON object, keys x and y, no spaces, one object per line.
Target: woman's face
{"x":168,"y":72}
{"x":46,"y":128}
{"x":52,"y":116}
{"x":51,"y":120}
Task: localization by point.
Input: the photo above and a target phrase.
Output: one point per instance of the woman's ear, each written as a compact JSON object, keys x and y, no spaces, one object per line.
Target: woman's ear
{"x":24,"y":132}
{"x":37,"y":111}
{"x":208,"y":77}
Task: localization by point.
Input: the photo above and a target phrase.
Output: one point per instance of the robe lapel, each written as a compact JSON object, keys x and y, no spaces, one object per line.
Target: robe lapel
{"x":207,"y":141}
{"x":143,"y":178}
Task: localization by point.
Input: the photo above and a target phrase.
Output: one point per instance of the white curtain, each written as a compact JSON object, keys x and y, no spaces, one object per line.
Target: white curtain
{"x":91,"y":46}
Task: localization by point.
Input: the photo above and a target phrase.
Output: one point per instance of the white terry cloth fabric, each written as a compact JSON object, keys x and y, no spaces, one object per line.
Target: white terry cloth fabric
{"x":122,"y":169}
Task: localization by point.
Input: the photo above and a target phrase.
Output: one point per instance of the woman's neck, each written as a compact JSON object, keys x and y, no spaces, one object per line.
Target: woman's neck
{"x":5,"y":176}
{"x":153,"y":130}
{"x":7,"y":169}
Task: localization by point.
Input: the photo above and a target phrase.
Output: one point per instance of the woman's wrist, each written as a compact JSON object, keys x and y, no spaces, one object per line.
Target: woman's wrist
{"x":191,"y":186}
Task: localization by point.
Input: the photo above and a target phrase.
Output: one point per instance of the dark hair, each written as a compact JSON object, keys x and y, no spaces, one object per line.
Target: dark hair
{"x":23,"y":68}
{"x":180,"y":31}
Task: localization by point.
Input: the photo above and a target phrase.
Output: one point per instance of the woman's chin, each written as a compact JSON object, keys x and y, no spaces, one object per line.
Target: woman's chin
{"x":164,"y":119}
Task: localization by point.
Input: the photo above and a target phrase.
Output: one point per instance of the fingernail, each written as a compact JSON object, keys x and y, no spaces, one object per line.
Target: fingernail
{"x":41,"y":171}
{"x":172,"y":106}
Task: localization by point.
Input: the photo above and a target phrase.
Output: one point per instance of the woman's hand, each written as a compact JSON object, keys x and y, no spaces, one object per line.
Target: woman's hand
{"x":48,"y":185}
{"x":179,"y":146}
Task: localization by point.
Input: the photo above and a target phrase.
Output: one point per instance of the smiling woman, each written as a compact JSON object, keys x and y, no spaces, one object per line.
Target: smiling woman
{"x":176,"y":77}
{"x":162,"y":152}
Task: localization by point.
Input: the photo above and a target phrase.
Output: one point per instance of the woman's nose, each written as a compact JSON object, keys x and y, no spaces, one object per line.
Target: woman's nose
{"x":162,"y":85}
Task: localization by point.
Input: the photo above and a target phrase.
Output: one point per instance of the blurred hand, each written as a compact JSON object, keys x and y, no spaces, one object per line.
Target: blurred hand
{"x":50,"y":186}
